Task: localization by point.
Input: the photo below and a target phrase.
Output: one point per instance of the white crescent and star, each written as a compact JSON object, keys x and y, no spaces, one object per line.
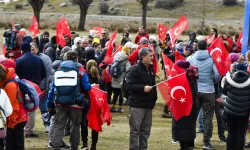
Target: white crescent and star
{"x":177,"y":88}
{"x":215,"y":49}
{"x":177,"y":29}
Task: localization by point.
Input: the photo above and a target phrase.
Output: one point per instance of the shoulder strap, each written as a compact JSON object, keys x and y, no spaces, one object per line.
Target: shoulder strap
{"x":8,"y":81}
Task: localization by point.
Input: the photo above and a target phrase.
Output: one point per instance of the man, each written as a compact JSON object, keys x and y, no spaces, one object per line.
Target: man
{"x":105,"y":37}
{"x":50,"y":49}
{"x":44,"y":85}
{"x":30,"y":67}
{"x":141,"y":99}
{"x":208,"y":76}
{"x":142,"y":33}
{"x":68,"y":104}
{"x":43,"y":41}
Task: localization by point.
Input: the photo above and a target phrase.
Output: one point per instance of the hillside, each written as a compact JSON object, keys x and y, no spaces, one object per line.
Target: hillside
{"x":191,"y":8}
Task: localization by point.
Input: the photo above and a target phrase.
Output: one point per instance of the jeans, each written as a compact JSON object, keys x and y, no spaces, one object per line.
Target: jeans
{"x":200,"y":121}
{"x":140,"y":122}
{"x":206,"y":101}
{"x":237,"y":127}
{"x":44,"y":111}
{"x":220,"y":121}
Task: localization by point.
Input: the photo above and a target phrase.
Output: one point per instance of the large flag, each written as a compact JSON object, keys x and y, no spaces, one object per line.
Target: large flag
{"x":162,"y":31}
{"x":163,"y":89}
{"x":34,"y":28}
{"x":181,"y":99}
{"x":239,"y":41}
{"x":178,"y":56}
{"x":59,"y":35}
{"x":110,"y":47}
{"x":109,"y":60}
{"x":211,"y":39}
{"x":167,"y":64}
{"x":98,"y":30}
{"x":219,"y":54}
{"x":65,"y":27}
{"x":178,"y":28}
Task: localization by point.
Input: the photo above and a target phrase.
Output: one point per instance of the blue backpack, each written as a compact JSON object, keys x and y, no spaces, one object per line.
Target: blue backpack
{"x":28,"y":95}
{"x":67,"y":84}
{"x":10,"y":41}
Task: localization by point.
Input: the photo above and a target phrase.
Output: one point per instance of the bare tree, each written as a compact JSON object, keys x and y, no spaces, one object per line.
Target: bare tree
{"x":37,"y":6}
{"x":203,"y":17}
{"x":84,"y":5}
{"x":144,"y":4}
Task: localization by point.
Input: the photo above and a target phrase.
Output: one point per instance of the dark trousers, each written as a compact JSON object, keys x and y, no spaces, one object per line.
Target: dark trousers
{"x":220,"y":120}
{"x":206,"y":101}
{"x":237,"y":127}
{"x":15,"y":137}
{"x":117,"y":93}
{"x":109,"y":90}
{"x":187,"y":145}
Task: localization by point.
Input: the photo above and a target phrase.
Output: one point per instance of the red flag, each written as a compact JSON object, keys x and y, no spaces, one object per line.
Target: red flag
{"x":178,"y":56}
{"x":211,"y":39}
{"x":162,"y":31}
{"x":98,"y":30}
{"x":167,"y":64}
{"x":178,"y":28}
{"x":230,"y":44}
{"x":163,"y":89}
{"x":181,"y":99}
{"x":3,"y":49}
{"x":65,"y":27}
{"x":99,"y":111}
{"x":110,"y":47}
{"x":34,"y":28}
{"x":111,"y":59}
{"x":219,"y":54}
{"x":239,"y":41}
{"x":59,"y":35}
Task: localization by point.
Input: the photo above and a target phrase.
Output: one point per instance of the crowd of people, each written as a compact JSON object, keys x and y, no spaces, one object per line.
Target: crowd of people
{"x":129,"y":79}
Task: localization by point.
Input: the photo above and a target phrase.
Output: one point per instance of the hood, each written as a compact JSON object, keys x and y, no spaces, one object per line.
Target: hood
{"x":121,"y":56}
{"x":27,"y":39}
{"x":192,"y":33}
{"x":202,"y":55}
{"x":90,"y":53}
{"x":76,"y":40}
{"x":239,"y":79}
{"x":10,"y":74}
{"x":49,"y":44}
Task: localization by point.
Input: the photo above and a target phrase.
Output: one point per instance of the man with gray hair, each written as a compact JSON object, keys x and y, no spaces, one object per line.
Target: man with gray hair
{"x":142,"y":97}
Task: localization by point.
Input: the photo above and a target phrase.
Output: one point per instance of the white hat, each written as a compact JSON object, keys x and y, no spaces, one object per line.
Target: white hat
{"x":129,"y":44}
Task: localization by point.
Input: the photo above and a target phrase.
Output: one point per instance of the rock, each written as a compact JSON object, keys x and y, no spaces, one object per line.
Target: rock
{"x":1,"y":9}
{"x":25,"y":4}
{"x":63,"y":4}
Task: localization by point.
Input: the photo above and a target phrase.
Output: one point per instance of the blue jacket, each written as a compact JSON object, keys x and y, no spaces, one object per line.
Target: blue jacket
{"x":207,"y":71}
{"x":30,"y":67}
{"x":85,"y":85}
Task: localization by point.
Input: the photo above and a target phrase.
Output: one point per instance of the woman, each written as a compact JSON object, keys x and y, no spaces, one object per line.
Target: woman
{"x":17,"y":120}
{"x":125,"y":38}
{"x":94,"y":78}
{"x":98,"y":49}
{"x":236,"y":87}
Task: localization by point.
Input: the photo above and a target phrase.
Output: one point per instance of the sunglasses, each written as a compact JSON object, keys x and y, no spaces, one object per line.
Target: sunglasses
{"x":10,"y":57}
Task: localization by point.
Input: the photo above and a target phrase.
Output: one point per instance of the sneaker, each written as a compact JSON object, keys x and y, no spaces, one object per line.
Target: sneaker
{"x":247,"y":145}
{"x":223,"y":139}
{"x":46,"y":129}
{"x":120,"y":110}
{"x":113,"y":109}
{"x":174,"y":141}
{"x":65,"y":146}
{"x":166,"y":115}
{"x":208,"y":146}
{"x":84,"y":148}
{"x":31,"y":135}
{"x":200,"y":131}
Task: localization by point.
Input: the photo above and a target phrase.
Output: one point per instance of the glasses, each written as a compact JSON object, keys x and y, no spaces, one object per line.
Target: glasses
{"x":10,"y":57}
{"x":103,"y":33}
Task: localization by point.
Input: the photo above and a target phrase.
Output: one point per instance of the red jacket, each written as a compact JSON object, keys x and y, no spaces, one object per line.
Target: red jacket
{"x":133,"y":57}
{"x":139,"y":36}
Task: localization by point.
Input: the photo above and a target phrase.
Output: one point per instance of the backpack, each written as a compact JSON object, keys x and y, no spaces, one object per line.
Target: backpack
{"x":3,"y":123}
{"x":116,"y":70}
{"x":10,"y":41}
{"x":67,"y":84}
{"x":27,"y":94}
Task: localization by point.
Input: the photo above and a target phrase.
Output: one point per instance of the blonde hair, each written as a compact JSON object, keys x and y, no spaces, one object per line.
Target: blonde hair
{"x":92,"y":69}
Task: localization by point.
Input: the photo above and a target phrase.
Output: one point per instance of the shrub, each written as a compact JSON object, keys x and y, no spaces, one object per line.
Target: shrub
{"x":229,"y":2}
{"x":104,"y":7}
{"x":166,"y":4}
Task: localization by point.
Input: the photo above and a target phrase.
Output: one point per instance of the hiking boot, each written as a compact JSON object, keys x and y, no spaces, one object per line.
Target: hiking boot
{"x":31,"y":135}
{"x":166,"y":115}
{"x":223,"y":138}
{"x":247,"y":145}
{"x":84,"y":148}
{"x":175,"y":142}
{"x":65,"y":146}
{"x":120,"y":110}
{"x":208,"y":146}
{"x":200,"y":131}
{"x":113,"y":109}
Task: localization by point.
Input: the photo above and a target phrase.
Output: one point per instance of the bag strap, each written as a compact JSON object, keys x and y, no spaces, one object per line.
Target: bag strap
{"x":8,"y":81}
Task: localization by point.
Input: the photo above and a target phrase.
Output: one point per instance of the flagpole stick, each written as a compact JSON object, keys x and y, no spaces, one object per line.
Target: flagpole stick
{"x":170,"y":78}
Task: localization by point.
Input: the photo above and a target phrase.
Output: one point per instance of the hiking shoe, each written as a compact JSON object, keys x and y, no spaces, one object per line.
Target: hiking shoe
{"x":200,"y":131}
{"x":247,"y":145}
{"x":223,"y":139}
{"x":31,"y":135}
{"x":166,"y":115}
{"x":65,"y":146}
{"x":208,"y":146}
{"x":120,"y":110}
{"x":113,"y":109}
{"x":175,"y":142}
{"x":84,"y":148}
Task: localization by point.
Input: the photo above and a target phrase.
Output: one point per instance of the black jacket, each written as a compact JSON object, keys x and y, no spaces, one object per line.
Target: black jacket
{"x":138,"y":77}
{"x":237,"y":91}
{"x":50,"y":50}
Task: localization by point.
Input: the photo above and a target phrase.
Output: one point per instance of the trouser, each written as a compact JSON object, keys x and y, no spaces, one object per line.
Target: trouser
{"x":237,"y":127}
{"x":15,"y":137}
{"x":206,"y":101}
{"x":117,"y":94}
{"x":173,"y":128}
{"x":187,"y":145}
{"x":109,"y":91}
{"x":68,"y":127}
{"x":200,"y":120}
{"x":140,"y":122}
{"x":51,"y":128}
{"x":220,"y":121}
{"x":62,"y":114}
{"x":29,"y":128}
{"x":44,"y":111}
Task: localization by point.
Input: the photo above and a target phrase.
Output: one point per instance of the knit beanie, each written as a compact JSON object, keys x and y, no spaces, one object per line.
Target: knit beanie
{"x":179,"y":46}
{"x":183,"y":64}
{"x":126,"y":49}
{"x":233,"y":57}
{"x":25,"y":47}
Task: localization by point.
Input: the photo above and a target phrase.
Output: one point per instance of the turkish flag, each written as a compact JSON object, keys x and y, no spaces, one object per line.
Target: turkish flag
{"x":109,"y":60}
{"x":178,"y":28}
{"x":34,"y":28}
{"x":163,"y":89}
{"x":181,"y":99}
{"x":99,"y":111}
{"x":167,"y":64}
{"x":178,"y":56}
{"x":110,"y":46}
{"x":211,"y":39}
{"x":98,"y":30}
{"x":239,"y":41}
{"x":162,"y":31}
{"x":230,"y":44}
{"x":65,"y":27}
{"x":219,"y":54}
{"x":59,"y":35}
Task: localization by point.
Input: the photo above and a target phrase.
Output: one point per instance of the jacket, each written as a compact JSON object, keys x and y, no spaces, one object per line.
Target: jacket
{"x":44,"y":85}
{"x":134,"y":56}
{"x":139,"y":36}
{"x":208,"y":73}
{"x":5,"y":103}
{"x":125,"y":65}
{"x":30,"y":67}
{"x":42,"y":43}
{"x":137,"y":78}
{"x":50,"y":50}
{"x":236,"y":89}
{"x":104,"y":41}
{"x":18,"y":115}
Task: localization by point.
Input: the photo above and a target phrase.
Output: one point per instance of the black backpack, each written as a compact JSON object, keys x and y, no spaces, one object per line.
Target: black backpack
{"x":10,"y":41}
{"x":116,"y":69}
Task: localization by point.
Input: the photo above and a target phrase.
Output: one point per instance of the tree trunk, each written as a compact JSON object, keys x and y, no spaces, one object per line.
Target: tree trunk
{"x":144,"y":15}
{"x":83,"y":14}
{"x":37,"y":14}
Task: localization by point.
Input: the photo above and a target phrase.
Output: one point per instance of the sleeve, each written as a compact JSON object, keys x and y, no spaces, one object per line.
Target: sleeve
{"x":216,"y":74}
{"x":85,"y":83}
{"x":11,"y":90}
{"x":50,"y":98}
{"x":132,"y":81}
{"x":132,"y":58}
{"x":43,"y":72}
{"x":136,"y":39}
{"x":128,"y":65}
{"x":7,"y":105}
{"x":18,"y":67}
